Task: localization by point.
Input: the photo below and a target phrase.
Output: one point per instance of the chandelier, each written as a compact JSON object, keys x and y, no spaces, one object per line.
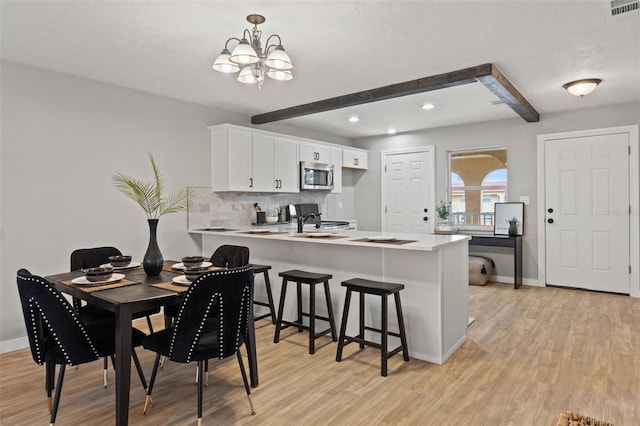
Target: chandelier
{"x":256,"y":61}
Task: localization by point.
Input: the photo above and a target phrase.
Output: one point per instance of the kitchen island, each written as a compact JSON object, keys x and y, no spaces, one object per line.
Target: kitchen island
{"x":433,"y":268}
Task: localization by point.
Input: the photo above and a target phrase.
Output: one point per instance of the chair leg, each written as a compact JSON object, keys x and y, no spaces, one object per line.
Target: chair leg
{"x":149,"y":324}
{"x":299,"y":298}
{"x":343,"y":326}
{"x":200,"y":380}
{"x":148,"y":402}
{"x":246,"y":383}
{"x":385,"y":335}
{"x":312,"y":317}
{"x":105,"y":367}
{"x":206,"y":372}
{"x":272,"y":308}
{"x":403,"y":334}
{"x":136,"y":361}
{"x":49,"y":380}
{"x":332,"y":321}
{"x":283,"y":293}
{"x":361,"y":321}
{"x":56,"y":399}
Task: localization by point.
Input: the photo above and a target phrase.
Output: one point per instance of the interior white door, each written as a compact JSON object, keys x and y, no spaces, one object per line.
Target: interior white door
{"x":587,"y":212}
{"x":409,"y":181}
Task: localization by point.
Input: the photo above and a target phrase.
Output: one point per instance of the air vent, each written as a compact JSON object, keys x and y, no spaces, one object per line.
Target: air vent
{"x":619,"y":7}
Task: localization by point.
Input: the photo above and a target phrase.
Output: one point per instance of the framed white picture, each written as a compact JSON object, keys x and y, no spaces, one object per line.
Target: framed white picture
{"x":503,"y":213}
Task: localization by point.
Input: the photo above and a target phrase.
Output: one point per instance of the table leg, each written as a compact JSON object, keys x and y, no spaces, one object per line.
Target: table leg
{"x":123,"y":363}
{"x":251,"y":345}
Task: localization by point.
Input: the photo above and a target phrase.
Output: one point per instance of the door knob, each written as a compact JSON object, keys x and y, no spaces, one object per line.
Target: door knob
{"x":426,"y":210}
{"x":426,"y":218}
{"x":550,"y":220}
{"x":550,"y":210}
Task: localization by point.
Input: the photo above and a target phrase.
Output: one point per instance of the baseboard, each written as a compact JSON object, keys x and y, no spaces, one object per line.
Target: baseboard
{"x":14,"y":344}
{"x":509,"y":280}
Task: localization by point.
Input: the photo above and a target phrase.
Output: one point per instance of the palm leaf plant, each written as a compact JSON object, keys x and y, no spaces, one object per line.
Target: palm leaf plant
{"x":150,"y":195}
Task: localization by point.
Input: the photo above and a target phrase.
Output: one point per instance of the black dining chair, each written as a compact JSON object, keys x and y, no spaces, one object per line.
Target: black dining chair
{"x":225,"y":256}
{"x":91,"y":258}
{"x":210,"y":323}
{"x":57,"y":335}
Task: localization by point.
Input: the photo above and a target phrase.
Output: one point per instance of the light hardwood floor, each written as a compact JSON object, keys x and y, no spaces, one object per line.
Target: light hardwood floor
{"x":530,"y":354}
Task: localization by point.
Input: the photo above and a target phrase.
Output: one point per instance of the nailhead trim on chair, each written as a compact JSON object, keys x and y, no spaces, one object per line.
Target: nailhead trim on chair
{"x":53,"y":333}
{"x":196,"y":338}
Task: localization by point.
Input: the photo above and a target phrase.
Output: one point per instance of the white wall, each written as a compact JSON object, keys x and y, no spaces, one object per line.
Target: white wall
{"x":520,"y":138}
{"x":62,"y":138}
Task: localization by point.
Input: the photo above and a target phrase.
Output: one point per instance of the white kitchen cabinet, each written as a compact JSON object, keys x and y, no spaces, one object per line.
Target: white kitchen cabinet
{"x":231,"y":159}
{"x":275,"y":163}
{"x":336,"y":160}
{"x":246,"y":160}
{"x":315,"y":152}
{"x":355,"y":159}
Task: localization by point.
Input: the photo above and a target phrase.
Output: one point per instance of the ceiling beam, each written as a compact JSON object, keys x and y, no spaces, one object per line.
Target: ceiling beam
{"x":487,"y":74}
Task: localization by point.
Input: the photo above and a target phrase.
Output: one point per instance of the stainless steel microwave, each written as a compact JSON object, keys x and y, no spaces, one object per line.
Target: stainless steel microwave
{"x":316,"y":176}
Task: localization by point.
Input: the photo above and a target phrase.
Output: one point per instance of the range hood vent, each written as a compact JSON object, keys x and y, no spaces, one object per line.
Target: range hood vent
{"x":619,"y":7}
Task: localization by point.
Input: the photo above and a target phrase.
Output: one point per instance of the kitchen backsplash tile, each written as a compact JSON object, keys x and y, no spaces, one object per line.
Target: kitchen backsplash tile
{"x":236,"y":208}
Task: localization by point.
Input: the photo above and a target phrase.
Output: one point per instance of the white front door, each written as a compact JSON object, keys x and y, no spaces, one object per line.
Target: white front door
{"x":587,"y":212}
{"x":408,"y":179}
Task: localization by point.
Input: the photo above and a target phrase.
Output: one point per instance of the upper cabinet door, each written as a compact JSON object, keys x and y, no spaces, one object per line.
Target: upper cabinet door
{"x":264,"y":160}
{"x":354,"y":159}
{"x":315,"y":152}
{"x":231,"y":146}
{"x":336,"y":160}
{"x":287,"y":170}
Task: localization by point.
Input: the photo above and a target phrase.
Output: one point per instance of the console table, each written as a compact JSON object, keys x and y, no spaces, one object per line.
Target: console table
{"x":515,"y":243}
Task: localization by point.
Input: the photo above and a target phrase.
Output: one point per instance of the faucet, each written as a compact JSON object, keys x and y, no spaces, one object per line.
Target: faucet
{"x":302,"y":218}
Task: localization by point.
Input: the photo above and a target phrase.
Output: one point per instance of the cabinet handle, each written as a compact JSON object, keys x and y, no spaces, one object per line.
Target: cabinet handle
{"x":550,"y":220}
{"x":275,"y":183}
{"x":279,"y":183}
{"x":250,"y":182}
{"x":356,"y":161}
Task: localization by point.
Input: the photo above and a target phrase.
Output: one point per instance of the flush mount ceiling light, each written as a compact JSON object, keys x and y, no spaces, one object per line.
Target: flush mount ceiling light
{"x":354,"y":119}
{"x":256,"y":61}
{"x":428,"y":106}
{"x":582,"y":87}
{"x":391,"y":131}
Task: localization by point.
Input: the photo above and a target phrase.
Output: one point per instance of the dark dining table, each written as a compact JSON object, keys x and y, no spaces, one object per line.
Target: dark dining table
{"x":138,"y":295}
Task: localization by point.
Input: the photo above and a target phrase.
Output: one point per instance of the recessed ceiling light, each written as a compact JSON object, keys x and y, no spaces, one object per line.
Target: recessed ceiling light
{"x":391,"y":131}
{"x":428,"y":106}
{"x":354,"y":119}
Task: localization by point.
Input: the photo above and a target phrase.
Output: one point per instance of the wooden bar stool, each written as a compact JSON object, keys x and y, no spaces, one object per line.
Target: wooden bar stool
{"x":311,"y":278}
{"x":264,"y":269}
{"x":382,"y":289}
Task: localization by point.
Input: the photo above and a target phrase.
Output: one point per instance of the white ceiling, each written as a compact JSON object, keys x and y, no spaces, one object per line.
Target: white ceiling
{"x":339,"y":47}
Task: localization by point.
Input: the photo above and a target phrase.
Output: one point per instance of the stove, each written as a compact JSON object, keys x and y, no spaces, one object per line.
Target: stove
{"x":297,"y":209}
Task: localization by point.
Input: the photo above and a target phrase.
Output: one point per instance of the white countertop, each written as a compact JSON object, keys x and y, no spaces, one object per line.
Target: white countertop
{"x":421,"y":242}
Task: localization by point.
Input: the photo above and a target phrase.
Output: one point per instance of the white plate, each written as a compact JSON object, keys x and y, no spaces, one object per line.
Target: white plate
{"x":318,"y":234}
{"x":181,"y":266}
{"x":181,"y":280}
{"x":258,"y":231}
{"x":381,"y":238}
{"x":84,"y":281}
{"x":121,"y":268}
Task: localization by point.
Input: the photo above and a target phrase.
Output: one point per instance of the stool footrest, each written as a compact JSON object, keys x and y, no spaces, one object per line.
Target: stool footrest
{"x":258,"y":318}
{"x":287,"y":324}
{"x":377,"y":330}
{"x":356,"y":339}
{"x":255,"y":302}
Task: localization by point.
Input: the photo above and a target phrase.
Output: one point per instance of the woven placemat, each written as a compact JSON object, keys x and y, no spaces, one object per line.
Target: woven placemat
{"x":570,"y":418}
{"x":328,"y":237}
{"x":91,"y":288}
{"x":171,"y":287}
{"x":391,"y":242}
{"x":180,"y":271}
